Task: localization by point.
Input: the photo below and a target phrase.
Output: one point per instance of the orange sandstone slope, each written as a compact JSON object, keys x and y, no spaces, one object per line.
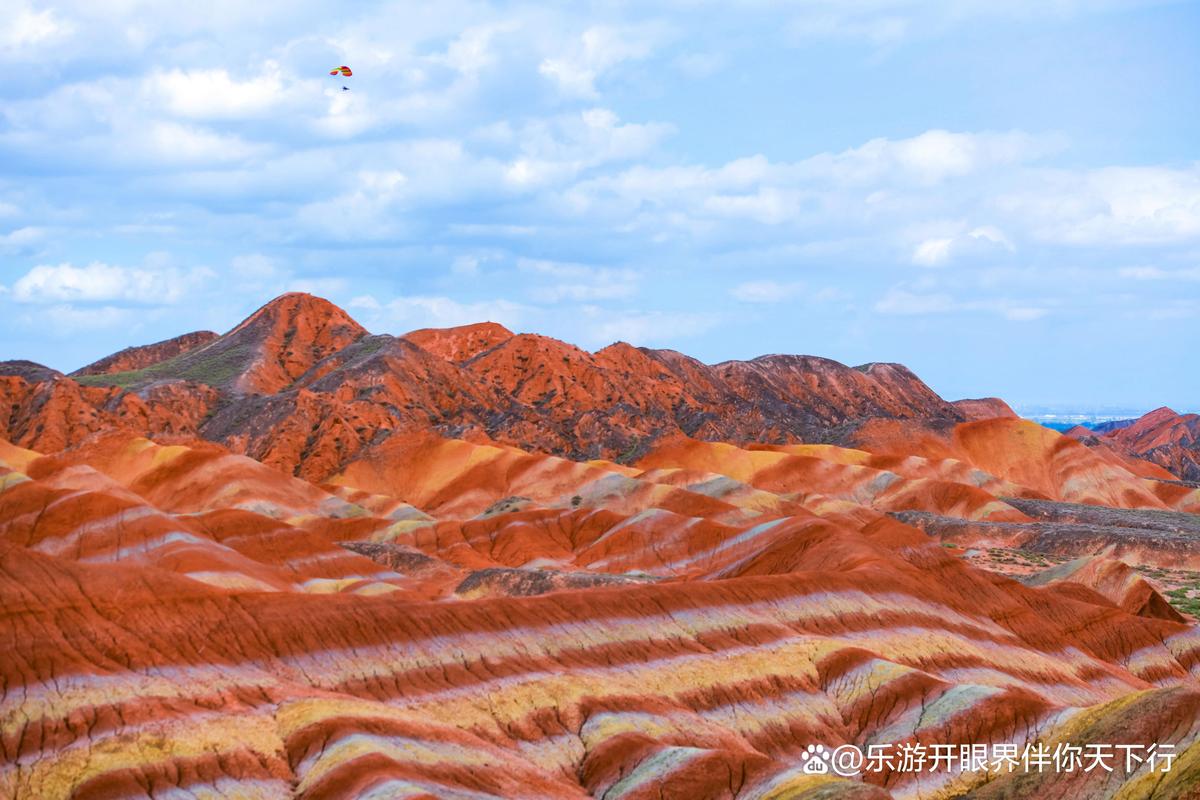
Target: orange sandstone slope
{"x":1027,"y":454}
{"x":165,"y":636}
{"x":158,"y":672}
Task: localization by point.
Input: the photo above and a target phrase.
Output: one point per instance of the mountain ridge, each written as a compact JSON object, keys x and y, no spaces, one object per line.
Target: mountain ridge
{"x":299,"y":384}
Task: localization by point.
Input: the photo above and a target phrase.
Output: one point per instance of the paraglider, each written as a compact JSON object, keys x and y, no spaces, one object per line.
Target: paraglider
{"x":345,"y":72}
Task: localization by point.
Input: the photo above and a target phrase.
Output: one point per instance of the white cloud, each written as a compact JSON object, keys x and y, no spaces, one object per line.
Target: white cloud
{"x":890,"y":22}
{"x":578,"y":281}
{"x":1110,"y":206}
{"x":1159,"y":274}
{"x":1023,"y":314}
{"x":902,"y":302}
{"x":21,"y":239}
{"x":98,"y":282}
{"x":214,"y":93}
{"x":105,"y":124}
{"x":899,"y":301}
{"x":65,"y":319}
{"x":933,"y":252}
{"x":598,"y":50}
{"x":465,"y":265}
{"x":558,"y":149}
{"x":645,"y":328}
{"x":402,"y":314}
{"x":978,"y":242}
{"x":767,"y":291}
{"x":931,"y":157}
{"x":22,"y":29}
{"x":472,"y":51}
{"x":879,"y":30}
{"x":700,"y":65}
{"x":879,"y":184}
{"x":259,"y":275}
{"x":172,"y":142}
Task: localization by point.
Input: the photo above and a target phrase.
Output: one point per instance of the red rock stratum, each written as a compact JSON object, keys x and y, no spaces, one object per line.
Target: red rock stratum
{"x":301,"y":560}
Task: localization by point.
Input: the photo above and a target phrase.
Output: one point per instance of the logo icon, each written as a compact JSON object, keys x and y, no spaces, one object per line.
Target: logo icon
{"x":816,"y":760}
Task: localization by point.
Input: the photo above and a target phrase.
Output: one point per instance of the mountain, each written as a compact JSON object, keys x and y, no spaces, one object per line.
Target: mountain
{"x":302,"y":386}
{"x":264,"y":354}
{"x":462,"y":343}
{"x":984,"y":408}
{"x":140,"y":357}
{"x":1164,"y":437}
{"x":302,"y":560}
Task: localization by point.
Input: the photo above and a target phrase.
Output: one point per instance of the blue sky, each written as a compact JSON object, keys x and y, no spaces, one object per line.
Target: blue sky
{"x":1005,"y":196}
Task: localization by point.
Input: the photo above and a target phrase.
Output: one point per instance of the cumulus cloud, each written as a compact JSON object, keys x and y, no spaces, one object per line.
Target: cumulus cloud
{"x":480,"y":153}
{"x":598,"y":50}
{"x":102,"y":125}
{"x":214,"y":93}
{"x":22,"y":29}
{"x":880,"y":181}
{"x":561,"y":147}
{"x":98,"y":282}
{"x":1110,"y":206}
{"x":931,"y":157}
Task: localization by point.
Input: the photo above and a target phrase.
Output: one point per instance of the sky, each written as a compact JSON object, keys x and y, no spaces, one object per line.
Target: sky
{"x":1004,"y":196}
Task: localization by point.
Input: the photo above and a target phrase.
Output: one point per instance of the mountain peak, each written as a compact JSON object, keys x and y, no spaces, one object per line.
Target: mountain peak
{"x":1161,"y":414}
{"x":284,"y":338}
{"x":294,"y":306}
{"x":28,"y":370}
{"x":264,"y":354}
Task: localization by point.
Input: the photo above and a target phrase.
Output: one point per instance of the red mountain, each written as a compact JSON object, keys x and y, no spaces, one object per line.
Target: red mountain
{"x":142,"y":356}
{"x":1169,"y":439}
{"x":299,"y":384}
{"x":300,"y":560}
{"x":462,"y":343}
{"x":984,"y":408}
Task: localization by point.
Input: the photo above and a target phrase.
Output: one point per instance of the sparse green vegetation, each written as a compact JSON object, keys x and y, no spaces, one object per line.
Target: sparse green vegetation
{"x":213,"y":366}
{"x":1186,"y":599}
{"x":121,"y":379}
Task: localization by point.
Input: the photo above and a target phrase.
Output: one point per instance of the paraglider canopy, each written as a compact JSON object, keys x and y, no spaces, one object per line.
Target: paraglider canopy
{"x":342,"y":70}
